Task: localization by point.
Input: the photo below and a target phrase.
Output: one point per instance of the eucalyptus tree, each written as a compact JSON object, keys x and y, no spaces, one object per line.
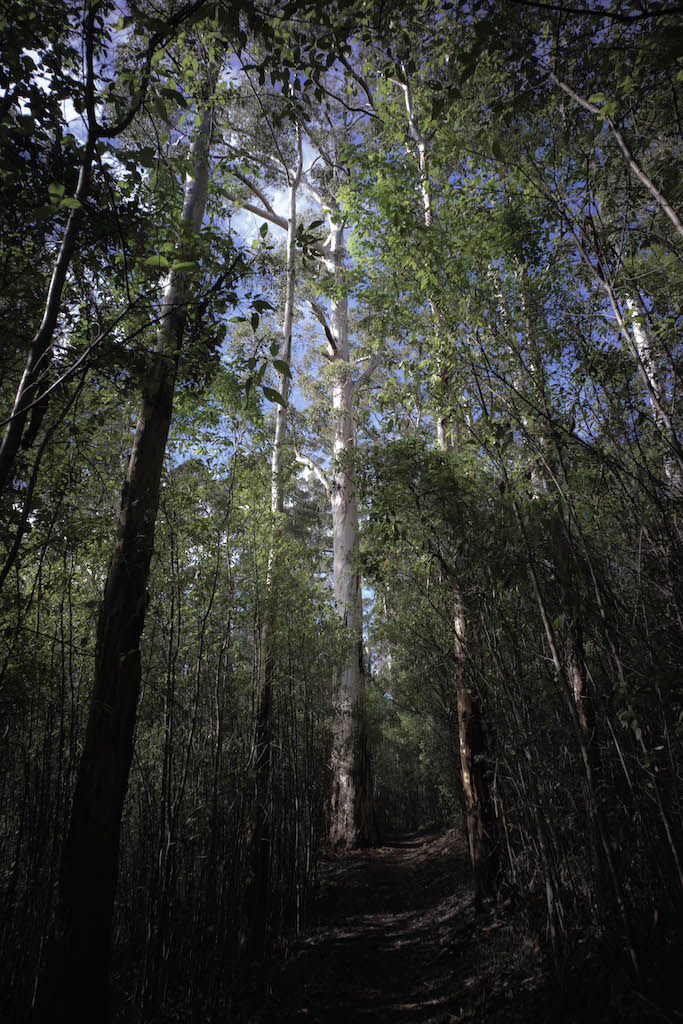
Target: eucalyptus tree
{"x":399,"y":108}
{"x":352,"y":817}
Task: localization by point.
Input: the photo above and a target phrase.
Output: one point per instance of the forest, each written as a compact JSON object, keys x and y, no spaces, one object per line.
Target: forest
{"x":341,"y":495}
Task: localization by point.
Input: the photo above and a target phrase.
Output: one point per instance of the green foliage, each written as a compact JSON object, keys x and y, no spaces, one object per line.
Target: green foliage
{"x":507,"y":454}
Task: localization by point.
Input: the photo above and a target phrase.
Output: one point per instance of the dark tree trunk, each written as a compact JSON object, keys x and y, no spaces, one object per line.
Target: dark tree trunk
{"x":74,"y":984}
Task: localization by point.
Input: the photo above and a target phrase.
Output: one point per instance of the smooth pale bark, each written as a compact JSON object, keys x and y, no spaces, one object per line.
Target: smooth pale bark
{"x":645,"y":348}
{"x":421,"y":146}
{"x":352,"y":809}
{"x":74,"y":985}
{"x":254,"y":914}
{"x":661,"y":415}
{"x":352,"y":821}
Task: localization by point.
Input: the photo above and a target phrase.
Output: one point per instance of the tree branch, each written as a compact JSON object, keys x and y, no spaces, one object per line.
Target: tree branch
{"x":623,"y":146}
{"x":359,"y":79}
{"x":253,"y":187}
{"x":304,"y":460}
{"x":321,"y":316}
{"x":258,"y":211}
{"x":625,"y":19}
{"x":367,"y":374}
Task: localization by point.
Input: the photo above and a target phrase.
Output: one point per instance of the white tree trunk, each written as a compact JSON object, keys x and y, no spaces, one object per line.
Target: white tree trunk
{"x":352,"y":819}
{"x":645,"y":349}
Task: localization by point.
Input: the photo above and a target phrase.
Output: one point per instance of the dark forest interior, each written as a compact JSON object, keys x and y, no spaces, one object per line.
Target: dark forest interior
{"x":341,"y":510}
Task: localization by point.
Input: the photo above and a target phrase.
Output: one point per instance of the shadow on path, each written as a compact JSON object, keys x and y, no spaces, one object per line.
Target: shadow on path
{"x":394,"y":938}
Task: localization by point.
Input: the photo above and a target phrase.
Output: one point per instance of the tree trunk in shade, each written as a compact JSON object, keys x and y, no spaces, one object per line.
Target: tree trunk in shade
{"x":74,"y":984}
{"x":474,"y":782}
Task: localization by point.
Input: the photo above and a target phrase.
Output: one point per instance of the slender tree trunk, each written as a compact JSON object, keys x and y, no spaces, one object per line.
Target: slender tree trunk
{"x":74,"y":984}
{"x":40,"y":350}
{"x":604,"y":851}
{"x":640,"y":350}
{"x":644,"y":347}
{"x":475,"y":784}
{"x":255,"y":905}
{"x":39,"y":353}
{"x":628,"y":154}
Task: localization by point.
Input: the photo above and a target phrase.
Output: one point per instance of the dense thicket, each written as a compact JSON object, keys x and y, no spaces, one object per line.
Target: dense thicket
{"x":481,"y":444}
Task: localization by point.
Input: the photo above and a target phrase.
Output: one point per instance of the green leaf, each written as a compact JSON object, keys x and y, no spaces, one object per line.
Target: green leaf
{"x":282,"y":367}
{"x":274,"y":396}
{"x":56,"y":190}
{"x":155,"y":261}
{"x":156,"y":57}
{"x":181,"y":267}
{"x":71,"y":204}
{"x":263,"y":230}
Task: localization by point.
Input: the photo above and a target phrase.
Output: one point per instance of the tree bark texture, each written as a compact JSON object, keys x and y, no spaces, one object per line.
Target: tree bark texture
{"x":75,"y":978}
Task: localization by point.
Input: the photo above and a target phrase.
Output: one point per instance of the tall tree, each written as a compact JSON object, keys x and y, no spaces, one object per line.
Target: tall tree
{"x":75,"y":978}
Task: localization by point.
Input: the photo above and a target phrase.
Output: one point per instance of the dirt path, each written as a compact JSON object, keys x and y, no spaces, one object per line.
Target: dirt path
{"x":394,"y":938}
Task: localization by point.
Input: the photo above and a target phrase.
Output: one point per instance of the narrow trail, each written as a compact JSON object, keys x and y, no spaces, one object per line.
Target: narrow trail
{"x":395,"y":938}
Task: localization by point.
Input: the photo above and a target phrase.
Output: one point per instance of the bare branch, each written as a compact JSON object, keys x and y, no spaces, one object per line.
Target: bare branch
{"x":321,"y":316}
{"x":258,"y":211}
{"x":623,"y":146}
{"x":304,"y":460}
{"x":253,"y":187}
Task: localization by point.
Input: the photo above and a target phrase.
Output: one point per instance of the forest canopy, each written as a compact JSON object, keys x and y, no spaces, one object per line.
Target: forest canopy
{"x":341,"y":474}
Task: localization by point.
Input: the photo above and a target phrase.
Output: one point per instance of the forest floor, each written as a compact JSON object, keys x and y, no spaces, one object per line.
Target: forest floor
{"x":394,"y":937}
